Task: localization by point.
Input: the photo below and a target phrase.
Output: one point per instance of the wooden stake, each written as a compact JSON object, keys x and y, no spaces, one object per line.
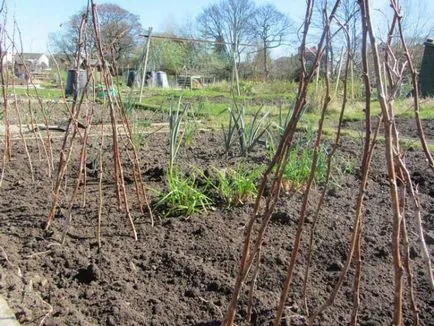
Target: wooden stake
{"x":148,"y":43}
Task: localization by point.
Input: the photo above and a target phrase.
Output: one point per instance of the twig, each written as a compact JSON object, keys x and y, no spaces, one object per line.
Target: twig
{"x":414,"y":79}
{"x":329,"y":168}
{"x":120,"y":182}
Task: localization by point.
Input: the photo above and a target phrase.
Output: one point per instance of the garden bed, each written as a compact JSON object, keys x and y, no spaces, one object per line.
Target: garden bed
{"x":181,"y":271}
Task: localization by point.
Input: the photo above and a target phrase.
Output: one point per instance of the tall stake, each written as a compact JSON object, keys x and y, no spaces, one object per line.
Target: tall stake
{"x":415,"y":82}
{"x":69,"y":137}
{"x":145,"y":63}
{"x":119,"y":173}
{"x":339,"y":71}
{"x":388,"y":118}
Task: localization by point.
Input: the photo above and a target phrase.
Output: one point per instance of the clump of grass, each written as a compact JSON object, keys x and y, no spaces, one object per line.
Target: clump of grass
{"x":237,"y":186}
{"x":184,"y":197}
{"x":297,"y":170}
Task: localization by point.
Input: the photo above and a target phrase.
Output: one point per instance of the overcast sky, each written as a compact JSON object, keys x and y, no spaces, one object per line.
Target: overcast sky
{"x":38,"y":18}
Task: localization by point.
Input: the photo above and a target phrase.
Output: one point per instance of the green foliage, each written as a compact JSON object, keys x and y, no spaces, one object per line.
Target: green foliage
{"x":277,"y":87}
{"x":190,"y":129}
{"x":220,"y":87}
{"x":280,"y":125}
{"x":346,"y":164}
{"x":246,"y":87}
{"x":236,"y":186}
{"x":138,"y":134}
{"x":300,"y":157}
{"x":167,"y":55}
{"x":44,"y":93}
{"x":183,"y":197}
{"x":249,"y":131}
{"x":298,"y":167}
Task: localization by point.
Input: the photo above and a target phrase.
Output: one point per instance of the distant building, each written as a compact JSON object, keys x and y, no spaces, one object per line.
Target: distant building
{"x":35,"y":62}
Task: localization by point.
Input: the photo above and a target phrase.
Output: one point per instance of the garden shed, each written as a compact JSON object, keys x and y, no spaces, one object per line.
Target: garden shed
{"x":427,"y":70}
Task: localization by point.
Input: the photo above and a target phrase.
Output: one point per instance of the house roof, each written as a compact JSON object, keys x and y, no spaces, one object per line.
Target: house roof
{"x":29,"y":55}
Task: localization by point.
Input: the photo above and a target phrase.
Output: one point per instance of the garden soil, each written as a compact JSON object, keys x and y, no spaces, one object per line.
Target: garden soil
{"x":182,"y":270}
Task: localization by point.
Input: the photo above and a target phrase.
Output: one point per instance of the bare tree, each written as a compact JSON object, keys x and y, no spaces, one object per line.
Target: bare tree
{"x":271,"y":28}
{"x":119,"y":28}
{"x":228,"y":21}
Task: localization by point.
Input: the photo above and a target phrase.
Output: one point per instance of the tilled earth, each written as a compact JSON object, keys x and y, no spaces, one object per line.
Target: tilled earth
{"x":181,"y":271}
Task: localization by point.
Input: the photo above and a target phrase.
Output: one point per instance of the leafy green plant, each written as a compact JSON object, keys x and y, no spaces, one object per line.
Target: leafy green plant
{"x":247,"y":87}
{"x":298,"y":167}
{"x":184,"y":197}
{"x":249,"y":132}
{"x":237,"y":186}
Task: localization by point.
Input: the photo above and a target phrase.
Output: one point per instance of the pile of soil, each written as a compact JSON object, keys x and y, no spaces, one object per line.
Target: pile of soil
{"x":181,"y":271}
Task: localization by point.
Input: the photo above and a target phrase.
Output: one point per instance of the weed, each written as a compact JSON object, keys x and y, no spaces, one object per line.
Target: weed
{"x":190,"y":128}
{"x":346,"y":164}
{"x":183,"y":197}
{"x":298,"y":167}
{"x":138,"y":134}
{"x":247,"y":87}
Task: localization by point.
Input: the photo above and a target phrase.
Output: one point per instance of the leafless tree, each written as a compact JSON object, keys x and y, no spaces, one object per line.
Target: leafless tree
{"x":271,"y":27}
{"x":228,"y":21}
{"x":120,"y":31}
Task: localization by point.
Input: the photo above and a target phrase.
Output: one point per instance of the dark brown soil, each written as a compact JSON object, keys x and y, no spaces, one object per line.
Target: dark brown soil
{"x":181,"y":272}
{"x":407,"y":128}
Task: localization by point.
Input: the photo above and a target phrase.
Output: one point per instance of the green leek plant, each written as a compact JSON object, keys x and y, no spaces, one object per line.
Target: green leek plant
{"x":175,"y":132}
{"x":183,"y":197}
{"x":249,"y":133}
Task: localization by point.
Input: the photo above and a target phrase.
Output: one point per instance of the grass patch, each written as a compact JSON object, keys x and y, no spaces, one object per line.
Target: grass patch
{"x":183,"y":197}
{"x":44,"y":93}
{"x":236,"y":186}
{"x":297,"y":170}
